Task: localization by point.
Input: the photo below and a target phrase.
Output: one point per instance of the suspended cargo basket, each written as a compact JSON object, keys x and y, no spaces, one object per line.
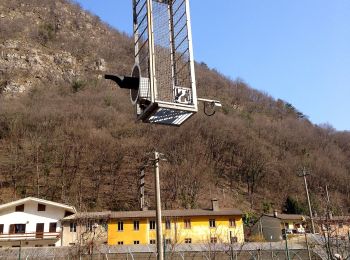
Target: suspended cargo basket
{"x":164,"y":64}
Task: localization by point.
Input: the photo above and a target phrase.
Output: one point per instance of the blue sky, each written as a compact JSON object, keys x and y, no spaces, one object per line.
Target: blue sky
{"x":298,"y":51}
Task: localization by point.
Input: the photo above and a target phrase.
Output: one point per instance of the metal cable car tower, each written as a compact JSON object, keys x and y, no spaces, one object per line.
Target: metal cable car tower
{"x":162,"y":83}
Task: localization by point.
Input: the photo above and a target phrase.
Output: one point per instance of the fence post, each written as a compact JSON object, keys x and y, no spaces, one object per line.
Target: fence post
{"x":287,"y":249}
{"x":164,"y":248}
{"x":272,"y":257}
{"x":349,"y":241}
{"x":307,"y":246}
{"x":20,"y":249}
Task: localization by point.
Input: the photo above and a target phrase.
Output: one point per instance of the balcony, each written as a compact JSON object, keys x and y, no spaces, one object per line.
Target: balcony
{"x":30,"y":236}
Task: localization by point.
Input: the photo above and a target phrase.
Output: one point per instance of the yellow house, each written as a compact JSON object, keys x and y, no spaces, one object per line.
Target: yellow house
{"x":197,"y":226}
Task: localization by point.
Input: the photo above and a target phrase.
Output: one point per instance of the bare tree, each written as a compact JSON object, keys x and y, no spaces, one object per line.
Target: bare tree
{"x":252,"y":168}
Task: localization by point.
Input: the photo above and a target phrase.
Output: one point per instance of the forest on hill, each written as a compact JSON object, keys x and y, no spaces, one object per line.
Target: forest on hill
{"x":68,"y":135}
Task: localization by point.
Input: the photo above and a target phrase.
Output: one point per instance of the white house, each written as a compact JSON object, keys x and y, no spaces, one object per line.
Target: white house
{"x":32,"y":222}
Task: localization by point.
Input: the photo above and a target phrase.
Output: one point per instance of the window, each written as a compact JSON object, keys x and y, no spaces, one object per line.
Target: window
{"x":52,"y":245}
{"x":167,"y":224}
{"x":120,"y":243}
{"x":234,"y":240}
{"x":232,"y":223}
{"x":17,"y":228}
{"x":213,"y":240}
{"x":168,"y":241}
{"x":41,"y":207}
{"x":152,"y":241}
{"x":188,"y":241}
{"x":88,"y":226}
{"x":20,"y":208}
{"x":136,"y":225}
{"x":340,"y":225}
{"x":105,"y":226}
{"x":187,"y":223}
{"x":38,"y":245}
{"x":1,"y":228}
{"x":136,"y":242}
{"x":212,"y":223}
{"x":120,"y":225}
{"x":152,"y":224}
{"x":52,"y":227}
{"x":73,"y":227}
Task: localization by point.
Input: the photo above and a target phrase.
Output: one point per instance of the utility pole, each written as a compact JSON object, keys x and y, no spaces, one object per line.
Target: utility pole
{"x":160,"y":249}
{"x":304,"y":174}
{"x":328,"y":202}
{"x":328,"y":218}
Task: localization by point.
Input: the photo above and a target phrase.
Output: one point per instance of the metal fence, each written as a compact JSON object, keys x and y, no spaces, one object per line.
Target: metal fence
{"x":246,"y":255}
{"x":255,"y":251}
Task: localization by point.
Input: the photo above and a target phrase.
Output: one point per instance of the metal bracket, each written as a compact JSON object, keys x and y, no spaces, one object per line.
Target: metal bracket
{"x":210,"y":106}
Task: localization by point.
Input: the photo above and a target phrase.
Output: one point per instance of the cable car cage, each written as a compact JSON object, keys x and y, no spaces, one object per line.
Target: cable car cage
{"x":162,"y":83}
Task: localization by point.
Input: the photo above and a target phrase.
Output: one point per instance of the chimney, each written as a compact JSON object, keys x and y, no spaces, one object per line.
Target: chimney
{"x":215,"y":204}
{"x":275,"y":213}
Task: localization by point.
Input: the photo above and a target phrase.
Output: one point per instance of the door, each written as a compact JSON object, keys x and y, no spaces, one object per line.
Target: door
{"x":39,"y":230}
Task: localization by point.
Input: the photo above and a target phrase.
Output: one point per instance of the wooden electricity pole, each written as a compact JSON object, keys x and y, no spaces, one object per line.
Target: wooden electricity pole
{"x":304,"y":174}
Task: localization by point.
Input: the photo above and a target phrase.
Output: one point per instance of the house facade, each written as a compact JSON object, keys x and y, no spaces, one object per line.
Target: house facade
{"x":32,"y":222}
{"x":333,"y":226}
{"x":272,"y":227}
{"x":191,"y":226}
{"x":84,"y":228}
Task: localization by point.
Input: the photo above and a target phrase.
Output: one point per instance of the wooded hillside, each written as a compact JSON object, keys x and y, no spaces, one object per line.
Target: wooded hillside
{"x":68,"y":135}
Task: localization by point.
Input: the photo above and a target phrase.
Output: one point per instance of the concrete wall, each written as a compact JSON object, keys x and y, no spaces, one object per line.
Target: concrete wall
{"x":69,"y":238}
{"x":81,"y":236}
{"x":269,"y":227}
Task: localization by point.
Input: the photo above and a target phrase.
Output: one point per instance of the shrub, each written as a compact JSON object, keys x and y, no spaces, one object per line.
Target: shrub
{"x":46,"y":33}
{"x":77,"y":85}
{"x":257,"y":238}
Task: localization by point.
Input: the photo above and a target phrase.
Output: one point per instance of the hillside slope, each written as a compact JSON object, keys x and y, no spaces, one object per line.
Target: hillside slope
{"x":68,"y":135}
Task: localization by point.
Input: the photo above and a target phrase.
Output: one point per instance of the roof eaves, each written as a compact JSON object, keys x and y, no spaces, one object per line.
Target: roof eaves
{"x":20,"y":201}
{"x":176,"y":213}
